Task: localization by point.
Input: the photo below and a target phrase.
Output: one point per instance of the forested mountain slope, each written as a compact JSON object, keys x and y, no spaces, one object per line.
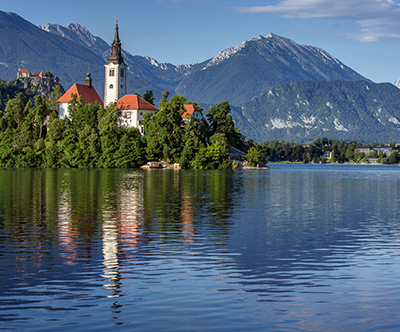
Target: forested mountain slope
{"x":303,"y":111}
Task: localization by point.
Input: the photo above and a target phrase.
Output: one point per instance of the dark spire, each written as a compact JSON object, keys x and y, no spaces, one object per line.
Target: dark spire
{"x":116,"y":36}
{"x":116,"y":56}
{"x":88,"y":79}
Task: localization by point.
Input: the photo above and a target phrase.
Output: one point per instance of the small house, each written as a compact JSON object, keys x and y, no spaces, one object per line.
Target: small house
{"x":191,"y":111}
{"x":133,"y":108}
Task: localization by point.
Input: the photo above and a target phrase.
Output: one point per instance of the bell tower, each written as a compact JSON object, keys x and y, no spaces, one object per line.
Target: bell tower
{"x":115,"y":78}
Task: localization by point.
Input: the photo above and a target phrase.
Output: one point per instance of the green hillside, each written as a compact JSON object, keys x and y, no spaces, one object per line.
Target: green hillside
{"x":304,"y":111}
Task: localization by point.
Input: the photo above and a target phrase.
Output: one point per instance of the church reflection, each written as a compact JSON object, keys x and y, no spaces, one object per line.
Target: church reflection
{"x":122,"y":220}
{"x":110,"y":255}
{"x":121,"y":217}
{"x":187,"y":216}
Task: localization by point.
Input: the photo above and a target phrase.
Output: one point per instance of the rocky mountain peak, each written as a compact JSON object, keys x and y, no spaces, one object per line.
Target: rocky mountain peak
{"x":78,"y":34}
{"x":223,"y":55}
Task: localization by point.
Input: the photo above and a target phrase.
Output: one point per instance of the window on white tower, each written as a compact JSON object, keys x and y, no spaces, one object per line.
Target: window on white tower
{"x":112,"y":72}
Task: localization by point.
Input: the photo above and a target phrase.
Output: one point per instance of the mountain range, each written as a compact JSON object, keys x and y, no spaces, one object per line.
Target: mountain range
{"x":302,"y":111}
{"x":253,"y":66}
{"x":278,"y":89}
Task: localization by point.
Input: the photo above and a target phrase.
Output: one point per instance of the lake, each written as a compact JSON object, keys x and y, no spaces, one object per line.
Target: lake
{"x":292,"y":248}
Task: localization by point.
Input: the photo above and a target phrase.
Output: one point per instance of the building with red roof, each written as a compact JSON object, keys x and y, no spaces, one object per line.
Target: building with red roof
{"x":191,"y":111}
{"x":133,"y":108}
{"x":86,"y":91}
{"x":41,"y":74}
{"x":21,"y":73}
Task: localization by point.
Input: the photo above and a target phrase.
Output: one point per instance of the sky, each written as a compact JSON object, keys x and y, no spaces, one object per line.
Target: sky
{"x":363,"y":34}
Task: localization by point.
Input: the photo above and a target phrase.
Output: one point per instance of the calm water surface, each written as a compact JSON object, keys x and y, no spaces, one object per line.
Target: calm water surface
{"x":293,"y":248}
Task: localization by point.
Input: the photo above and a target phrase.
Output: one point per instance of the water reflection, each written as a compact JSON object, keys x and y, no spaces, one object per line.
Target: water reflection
{"x":293,"y":243}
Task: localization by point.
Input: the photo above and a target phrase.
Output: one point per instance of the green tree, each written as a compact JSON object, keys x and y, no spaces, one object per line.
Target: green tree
{"x":165,"y":95}
{"x":40,"y":116}
{"x":131,"y":151}
{"x":394,"y":158}
{"x":164,"y":133}
{"x":109,"y":138}
{"x":253,"y":156}
{"x":52,"y":98}
{"x":349,"y":154}
{"x":194,"y":140}
{"x":221,"y":122}
{"x":215,"y":155}
{"x":148,"y":96}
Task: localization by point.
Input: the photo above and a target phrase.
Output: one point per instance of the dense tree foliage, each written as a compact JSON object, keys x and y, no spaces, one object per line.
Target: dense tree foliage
{"x":89,"y":138}
{"x":148,"y":96}
{"x":221,"y":121}
{"x":190,"y":142}
{"x":9,"y":91}
{"x":32,"y":135}
{"x":323,"y":150}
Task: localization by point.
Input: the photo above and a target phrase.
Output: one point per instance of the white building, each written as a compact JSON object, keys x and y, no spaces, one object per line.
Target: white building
{"x":115,"y":76}
{"x":133,"y":108}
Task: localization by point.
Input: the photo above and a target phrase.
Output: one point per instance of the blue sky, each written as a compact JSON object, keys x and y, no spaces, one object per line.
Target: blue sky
{"x":363,"y":34}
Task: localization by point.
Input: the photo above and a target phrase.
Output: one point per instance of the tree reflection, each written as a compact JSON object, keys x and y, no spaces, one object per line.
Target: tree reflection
{"x":179,"y":204}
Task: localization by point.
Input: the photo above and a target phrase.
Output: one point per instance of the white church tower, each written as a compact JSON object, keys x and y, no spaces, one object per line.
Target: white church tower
{"x":115,"y":78}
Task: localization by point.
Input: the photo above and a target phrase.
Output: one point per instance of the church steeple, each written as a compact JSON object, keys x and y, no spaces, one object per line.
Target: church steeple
{"x":115,"y":78}
{"x":116,"y":56}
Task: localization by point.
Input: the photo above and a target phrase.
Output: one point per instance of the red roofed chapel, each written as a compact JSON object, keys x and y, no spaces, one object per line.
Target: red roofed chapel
{"x":86,"y":91}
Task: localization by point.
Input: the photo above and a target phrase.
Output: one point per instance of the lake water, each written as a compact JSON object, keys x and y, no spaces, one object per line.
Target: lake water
{"x":293,"y":248}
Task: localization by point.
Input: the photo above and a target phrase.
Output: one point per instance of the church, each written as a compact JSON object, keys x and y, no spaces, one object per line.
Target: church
{"x":133,"y":107}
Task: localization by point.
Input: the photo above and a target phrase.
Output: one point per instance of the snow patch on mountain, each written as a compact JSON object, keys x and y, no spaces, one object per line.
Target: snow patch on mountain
{"x":225,"y":54}
{"x":394,"y":120}
{"x":339,"y":126}
{"x":278,"y":123}
{"x":168,"y":66}
{"x":310,"y":120}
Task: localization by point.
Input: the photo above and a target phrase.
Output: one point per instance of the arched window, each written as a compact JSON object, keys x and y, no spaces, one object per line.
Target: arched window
{"x":112,"y":72}
{"x":111,"y":86}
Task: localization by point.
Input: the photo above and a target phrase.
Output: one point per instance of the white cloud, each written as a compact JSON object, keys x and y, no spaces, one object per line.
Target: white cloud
{"x":377,"y":19}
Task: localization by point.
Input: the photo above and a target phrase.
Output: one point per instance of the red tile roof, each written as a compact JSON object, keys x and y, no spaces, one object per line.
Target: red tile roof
{"x":89,"y":95}
{"x":134,"y":102}
{"x":189,"y":110}
{"x":24,"y":71}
